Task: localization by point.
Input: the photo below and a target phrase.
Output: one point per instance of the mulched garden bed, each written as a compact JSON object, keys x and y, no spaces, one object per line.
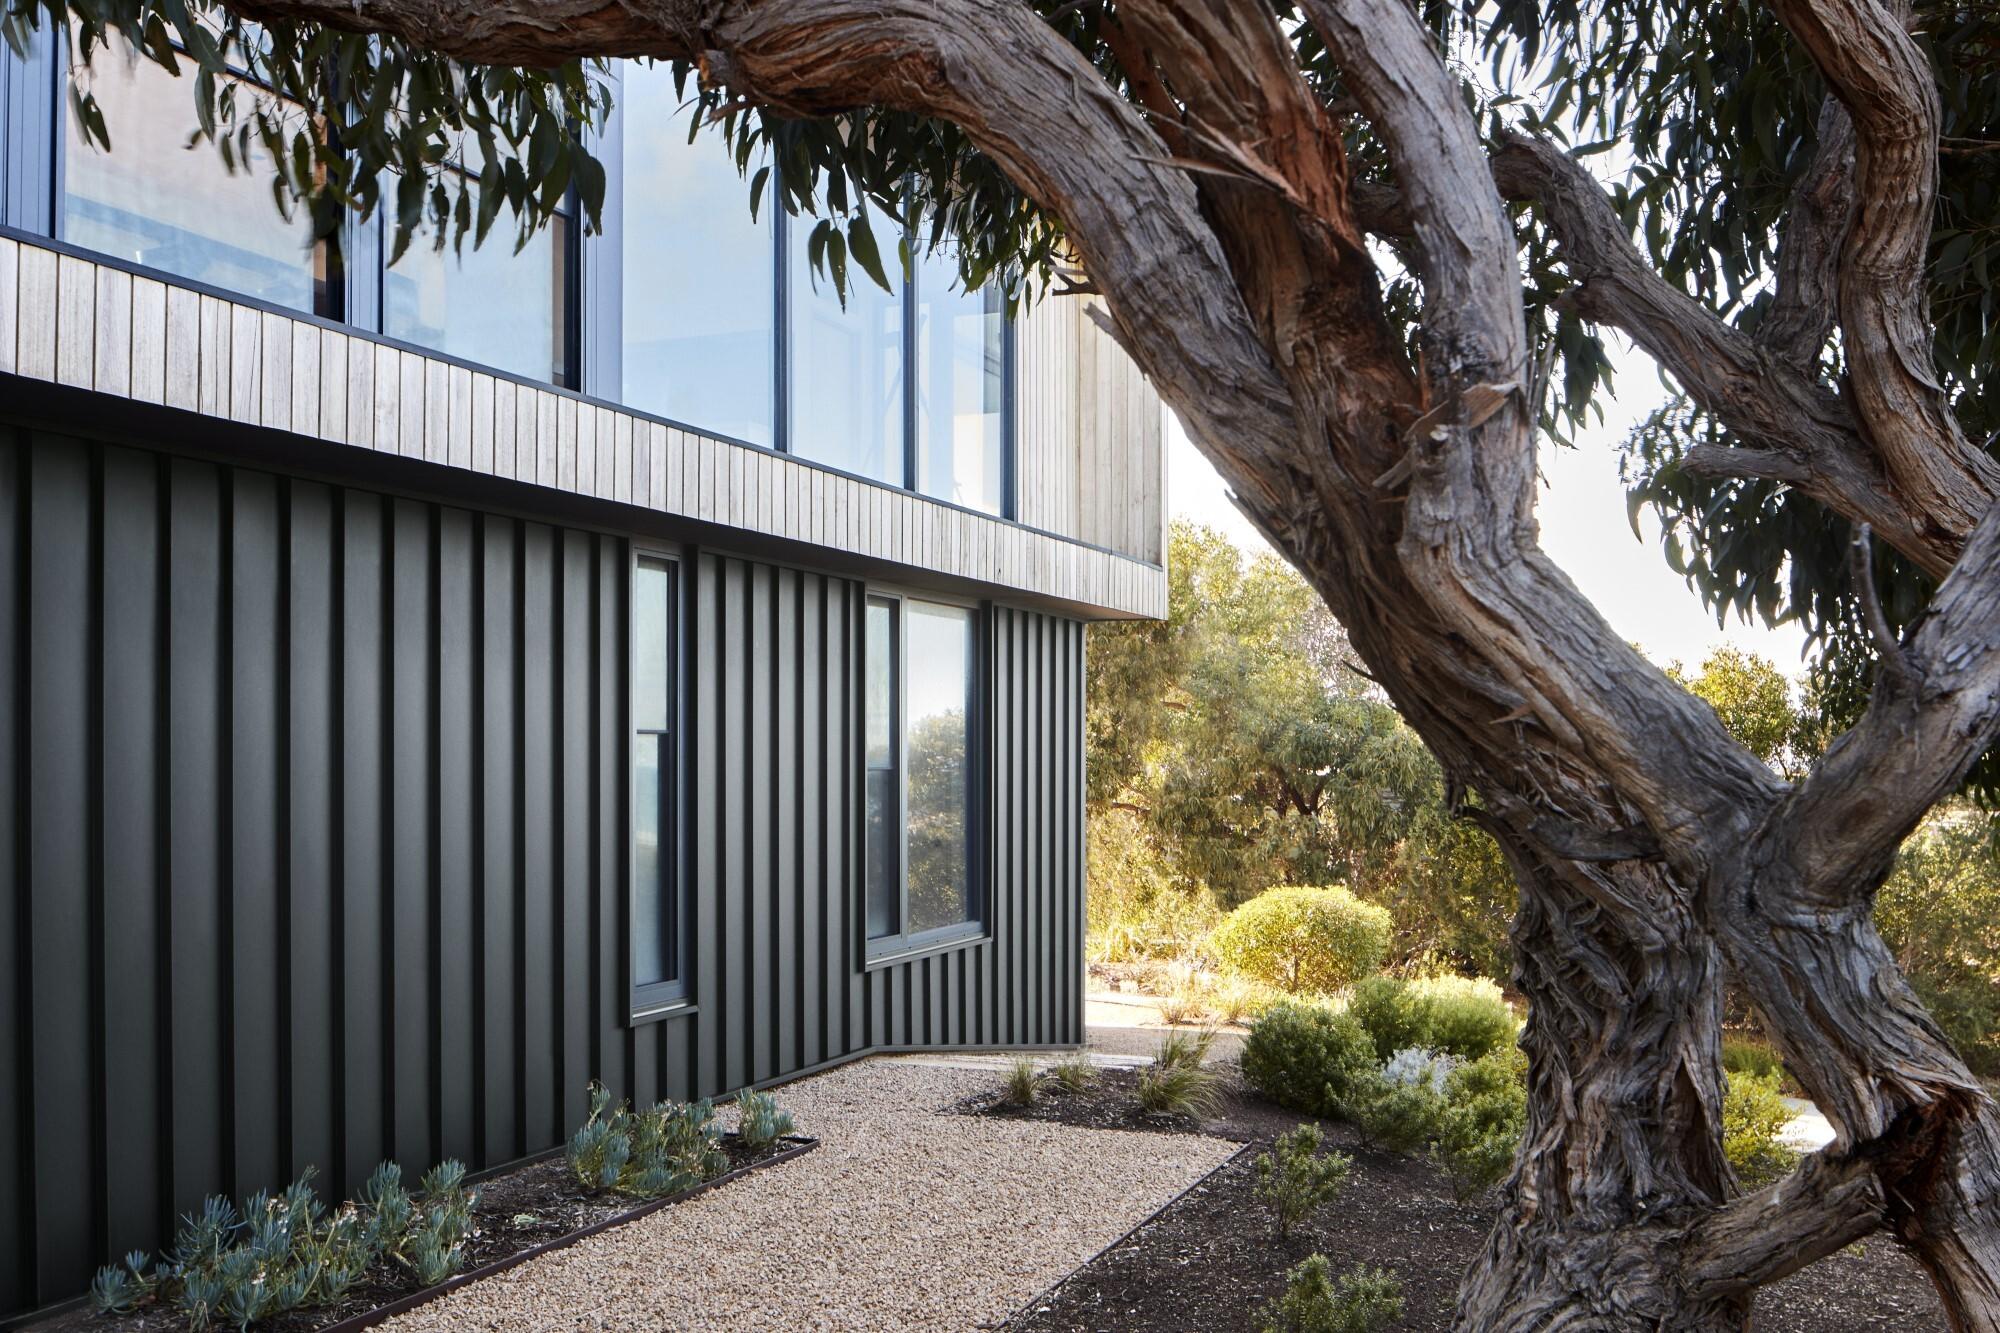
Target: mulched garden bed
{"x":1211,"y":1258}
{"x":521,"y":1214}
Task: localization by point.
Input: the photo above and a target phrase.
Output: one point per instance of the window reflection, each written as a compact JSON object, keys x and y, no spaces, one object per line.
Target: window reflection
{"x":490,"y":305}
{"x":153,"y":200}
{"x":883,"y":829}
{"x":700,"y":294}
{"x":960,"y":380}
{"x":847,"y":369}
{"x":939,"y":693}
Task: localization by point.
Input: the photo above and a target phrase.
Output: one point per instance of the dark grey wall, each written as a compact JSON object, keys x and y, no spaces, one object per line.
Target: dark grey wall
{"x":312,"y":808}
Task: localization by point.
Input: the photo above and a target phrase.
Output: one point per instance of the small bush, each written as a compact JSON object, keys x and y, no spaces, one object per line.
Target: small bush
{"x":760,"y":1122}
{"x":1073,"y":1073}
{"x":1753,"y":1115}
{"x":1462,"y":1016}
{"x":1304,"y":940}
{"x":1238,"y":999}
{"x":1752,"y":1055}
{"x":1021,"y":1084}
{"x":1397,"y":1116}
{"x":1178,"y":1082}
{"x":1295,"y":1180}
{"x":1364,"y":1300}
{"x":1186,"y":1001}
{"x":1307,"y":1057}
{"x":648,"y":1154}
{"x":1480,"y":1124}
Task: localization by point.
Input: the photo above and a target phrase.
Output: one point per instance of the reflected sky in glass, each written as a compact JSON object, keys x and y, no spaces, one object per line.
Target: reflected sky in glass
{"x":847,"y":368}
{"x":960,"y":379}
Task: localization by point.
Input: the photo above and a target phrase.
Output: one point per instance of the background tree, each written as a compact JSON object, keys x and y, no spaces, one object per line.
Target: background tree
{"x":1227,"y":174}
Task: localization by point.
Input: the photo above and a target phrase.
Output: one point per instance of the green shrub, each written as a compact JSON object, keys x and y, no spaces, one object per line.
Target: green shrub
{"x":1295,"y":1180}
{"x":1465,"y":1017}
{"x":1480,"y":1124}
{"x":647,"y":1154}
{"x":1391,"y":1114}
{"x":1752,"y":1055}
{"x":1364,"y":1300}
{"x":1184,"y":1049}
{"x":1753,"y":1115}
{"x":1185,"y":1090}
{"x":760,"y":1121}
{"x":1021,"y":1083}
{"x":1307,"y":1057}
{"x":1073,"y":1073}
{"x":1304,"y":940}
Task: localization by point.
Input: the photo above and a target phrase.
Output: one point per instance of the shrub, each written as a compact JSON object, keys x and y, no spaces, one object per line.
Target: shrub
{"x":1303,"y":939}
{"x":1186,"y":1000}
{"x":1400,"y":1117}
{"x":1021,"y":1083}
{"x":1236,"y":999}
{"x":1178,"y":1082}
{"x":1753,"y":1115}
{"x":1752,"y":1055}
{"x":1480,"y":1124}
{"x":647,"y":1154}
{"x":1462,"y":1016}
{"x":1295,"y":1180}
{"x":760,"y":1122}
{"x":1307,"y":1057}
{"x":1073,"y":1073}
{"x":1363,"y":1301}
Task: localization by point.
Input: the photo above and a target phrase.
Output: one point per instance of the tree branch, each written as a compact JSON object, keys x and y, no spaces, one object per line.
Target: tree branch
{"x":1747,"y":388}
{"x":1881,"y":76}
{"x":1827,"y":1204}
{"x":1801,"y":316}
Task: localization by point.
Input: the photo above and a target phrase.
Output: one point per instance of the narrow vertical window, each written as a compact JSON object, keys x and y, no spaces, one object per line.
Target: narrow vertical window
{"x":656,"y":918}
{"x":846,"y":369}
{"x":961,"y":381}
{"x":921,"y":799}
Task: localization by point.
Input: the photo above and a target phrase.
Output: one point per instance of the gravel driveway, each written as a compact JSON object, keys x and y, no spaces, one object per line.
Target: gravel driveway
{"x":904,"y":1218}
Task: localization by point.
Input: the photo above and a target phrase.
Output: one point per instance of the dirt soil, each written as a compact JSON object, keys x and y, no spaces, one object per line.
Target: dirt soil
{"x":518,"y":1210}
{"x":1211,"y":1258}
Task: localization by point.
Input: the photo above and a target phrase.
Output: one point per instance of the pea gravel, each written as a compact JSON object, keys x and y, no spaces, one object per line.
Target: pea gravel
{"x":905,"y":1217}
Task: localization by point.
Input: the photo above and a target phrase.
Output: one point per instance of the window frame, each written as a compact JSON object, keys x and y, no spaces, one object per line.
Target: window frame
{"x":882,"y":951}
{"x":675,"y":995}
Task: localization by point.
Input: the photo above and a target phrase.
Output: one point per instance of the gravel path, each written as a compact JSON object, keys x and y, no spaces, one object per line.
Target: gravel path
{"x":903,"y":1218}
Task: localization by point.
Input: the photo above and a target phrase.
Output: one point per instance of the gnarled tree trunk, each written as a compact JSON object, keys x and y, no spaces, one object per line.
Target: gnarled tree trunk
{"x":1211,"y":202}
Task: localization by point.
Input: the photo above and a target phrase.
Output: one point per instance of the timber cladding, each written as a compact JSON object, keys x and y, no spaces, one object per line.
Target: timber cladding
{"x":313,"y":804}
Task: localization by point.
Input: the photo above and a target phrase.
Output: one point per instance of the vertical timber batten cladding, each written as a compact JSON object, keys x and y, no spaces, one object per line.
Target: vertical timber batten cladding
{"x":313,"y":799}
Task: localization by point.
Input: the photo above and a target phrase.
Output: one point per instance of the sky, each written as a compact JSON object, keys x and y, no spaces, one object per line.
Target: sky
{"x":1584,"y":529}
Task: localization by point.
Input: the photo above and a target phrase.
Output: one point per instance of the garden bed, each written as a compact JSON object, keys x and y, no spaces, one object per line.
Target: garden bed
{"x":522,"y":1213}
{"x":1211,"y":1257}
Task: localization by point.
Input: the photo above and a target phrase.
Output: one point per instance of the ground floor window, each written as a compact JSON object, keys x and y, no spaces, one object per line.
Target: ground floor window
{"x":922,"y":881}
{"x":657,"y":974}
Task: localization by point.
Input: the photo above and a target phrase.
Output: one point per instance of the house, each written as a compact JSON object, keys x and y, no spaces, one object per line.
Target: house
{"x":425,"y":689}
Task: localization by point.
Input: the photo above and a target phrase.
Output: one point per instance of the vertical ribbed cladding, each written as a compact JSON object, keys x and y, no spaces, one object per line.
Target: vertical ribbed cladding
{"x":313,"y":807}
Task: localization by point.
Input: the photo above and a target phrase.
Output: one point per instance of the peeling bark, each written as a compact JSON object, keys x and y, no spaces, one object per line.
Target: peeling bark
{"x":1225,"y":234}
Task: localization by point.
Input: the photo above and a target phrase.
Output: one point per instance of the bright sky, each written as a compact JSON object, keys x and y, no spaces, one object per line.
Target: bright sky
{"x":1584,"y":529}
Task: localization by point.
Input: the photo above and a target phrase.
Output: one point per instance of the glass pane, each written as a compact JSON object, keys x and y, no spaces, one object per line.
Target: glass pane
{"x":881,"y":684}
{"x":700,"y":275}
{"x":847,"y":369}
{"x":881,"y":852}
{"x":654,"y":948}
{"x":652,"y":669}
{"x":960,"y":380}
{"x":491,"y":305}
{"x":155,"y":201}
{"x":939,"y":699}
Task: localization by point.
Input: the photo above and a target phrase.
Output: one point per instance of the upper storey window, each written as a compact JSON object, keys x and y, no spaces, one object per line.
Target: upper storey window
{"x":847,"y":371}
{"x":153,"y":200}
{"x":700,"y":274}
{"x":961,"y":386}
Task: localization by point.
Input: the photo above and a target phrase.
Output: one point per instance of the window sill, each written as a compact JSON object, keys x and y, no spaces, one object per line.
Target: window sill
{"x":895,"y":952}
{"x":653,"y":1013}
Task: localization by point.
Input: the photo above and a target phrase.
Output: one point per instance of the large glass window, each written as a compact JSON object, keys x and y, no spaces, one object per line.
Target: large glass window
{"x":847,"y":369}
{"x":491,"y":305}
{"x":699,"y":274}
{"x":921,"y":882}
{"x":156,"y":201}
{"x":961,"y":382}
{"x":656,"y":914}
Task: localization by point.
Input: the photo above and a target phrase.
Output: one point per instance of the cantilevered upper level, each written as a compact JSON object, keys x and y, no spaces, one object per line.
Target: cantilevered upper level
{"x":684,"y":361}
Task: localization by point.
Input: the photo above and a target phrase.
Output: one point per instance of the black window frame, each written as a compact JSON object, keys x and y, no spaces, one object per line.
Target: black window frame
{"x":675,"y":994}
{"x":884,"y":950}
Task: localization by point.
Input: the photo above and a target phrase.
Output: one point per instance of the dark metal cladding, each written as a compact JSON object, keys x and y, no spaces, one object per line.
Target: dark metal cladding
{"x":313,"y":821}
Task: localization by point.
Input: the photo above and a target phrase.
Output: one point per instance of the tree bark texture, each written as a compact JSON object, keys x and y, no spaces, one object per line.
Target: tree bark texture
{"x":1214,"y":208}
